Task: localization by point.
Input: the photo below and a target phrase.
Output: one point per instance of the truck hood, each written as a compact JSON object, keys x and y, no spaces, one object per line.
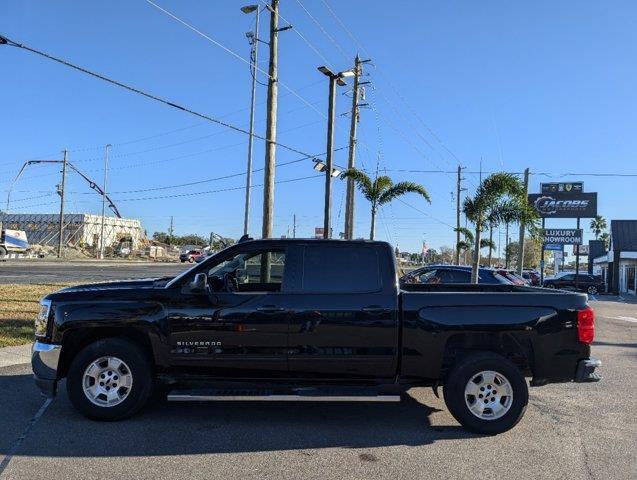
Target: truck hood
{"x":97,"y":289}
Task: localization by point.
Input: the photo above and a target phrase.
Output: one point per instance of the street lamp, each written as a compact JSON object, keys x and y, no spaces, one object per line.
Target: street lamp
{"x":335,"y":78}
{"x":321,"y":167}
{"x":253,"y":38}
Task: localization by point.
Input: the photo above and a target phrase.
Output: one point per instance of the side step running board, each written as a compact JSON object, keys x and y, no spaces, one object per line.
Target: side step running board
{"x":185,"y":396}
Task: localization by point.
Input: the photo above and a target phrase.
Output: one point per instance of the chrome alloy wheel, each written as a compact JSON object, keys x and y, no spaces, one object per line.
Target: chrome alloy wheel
{"x":107,"y":381}
{"x":488,"y":395}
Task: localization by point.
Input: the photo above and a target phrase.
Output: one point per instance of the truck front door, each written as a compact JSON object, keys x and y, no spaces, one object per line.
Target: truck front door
{"x":240,"y":327}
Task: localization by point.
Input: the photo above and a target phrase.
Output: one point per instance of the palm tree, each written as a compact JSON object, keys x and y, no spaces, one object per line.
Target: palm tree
{"x":382,"y":190}
{"x":605,"y":237}
{"x":598,"y":225}
{"x":463,"y":246}
{"x":488,"y":243}
{"x":495,"y":189}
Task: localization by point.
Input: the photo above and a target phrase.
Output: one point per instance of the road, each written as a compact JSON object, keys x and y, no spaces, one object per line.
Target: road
{"x":570,"y":431}
{"x":43,"y":271}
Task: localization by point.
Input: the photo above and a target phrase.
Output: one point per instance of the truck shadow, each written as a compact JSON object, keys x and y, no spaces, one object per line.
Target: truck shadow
{"x":167,"y":428}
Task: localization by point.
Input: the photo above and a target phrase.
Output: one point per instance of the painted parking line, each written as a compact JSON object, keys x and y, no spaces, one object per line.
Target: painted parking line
{"x":14,"y":448}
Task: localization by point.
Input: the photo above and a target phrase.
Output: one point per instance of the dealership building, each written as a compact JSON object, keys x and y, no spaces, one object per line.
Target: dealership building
{"x":618,"y":266}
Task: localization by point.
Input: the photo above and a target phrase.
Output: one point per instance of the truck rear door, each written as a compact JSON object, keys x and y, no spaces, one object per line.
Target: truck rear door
{"x":343,"y":313}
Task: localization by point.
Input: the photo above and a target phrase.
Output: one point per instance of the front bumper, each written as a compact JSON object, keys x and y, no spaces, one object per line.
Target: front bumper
{"x":586,"y":370}
{"x":44,"y":361}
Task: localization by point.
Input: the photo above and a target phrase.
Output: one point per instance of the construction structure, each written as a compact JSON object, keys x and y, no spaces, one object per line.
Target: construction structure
{"x":81,"y":230}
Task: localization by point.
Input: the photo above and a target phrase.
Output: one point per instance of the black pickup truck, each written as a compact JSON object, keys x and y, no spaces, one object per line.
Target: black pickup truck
{"x":313,"y":320}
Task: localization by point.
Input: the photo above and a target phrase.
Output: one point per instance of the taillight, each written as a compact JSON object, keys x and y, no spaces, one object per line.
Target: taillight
{"x":586,"y":325}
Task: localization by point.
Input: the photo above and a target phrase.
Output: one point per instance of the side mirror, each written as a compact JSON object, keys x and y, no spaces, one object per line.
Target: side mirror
{"x":199,"y":283}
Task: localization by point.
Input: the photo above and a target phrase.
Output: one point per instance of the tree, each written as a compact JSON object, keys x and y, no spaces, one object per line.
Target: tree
{"x":382,"y":190}
{"x":494,"y":189}
{"x":490,"y":244}
{"x":605,"y":237}
{"x":532,"y":252}
{"x":463,"y":246}
{"x":446,"y":255}
{"x":598,"y":225}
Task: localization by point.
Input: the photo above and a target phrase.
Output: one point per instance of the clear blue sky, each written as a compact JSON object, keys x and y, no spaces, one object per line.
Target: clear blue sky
{"x":546,"y":85}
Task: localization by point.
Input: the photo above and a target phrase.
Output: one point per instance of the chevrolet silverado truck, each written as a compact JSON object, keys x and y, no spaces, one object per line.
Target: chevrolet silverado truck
{"x":310,"y":320}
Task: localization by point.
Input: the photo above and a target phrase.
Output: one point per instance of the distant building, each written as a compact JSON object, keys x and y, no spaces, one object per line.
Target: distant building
{"x":80,"y":229}
{"x":618,"y":266}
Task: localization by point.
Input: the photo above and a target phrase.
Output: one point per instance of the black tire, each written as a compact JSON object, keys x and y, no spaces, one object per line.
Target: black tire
{"x":592,"y":290}
{"x":468,"y":367}
{"x":549,"y":285}
{"x":3,"y":253}
{"x":191,"y":260}
{"x":140,"y":369}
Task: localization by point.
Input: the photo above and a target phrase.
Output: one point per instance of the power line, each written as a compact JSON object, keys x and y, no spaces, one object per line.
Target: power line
{"x":224,"y":177}
{"x":318,"y":24}
{"x":233,"y":53}
{"x":147,"y":95}
{"x":192,"y":194}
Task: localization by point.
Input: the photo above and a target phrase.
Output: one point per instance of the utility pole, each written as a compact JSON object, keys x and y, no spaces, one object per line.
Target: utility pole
{"x":294,"y":226}
{"x":351,"y":160}
{"x":270,"y":132}
{"x":459,"y":189}
{"x":104,"y":200}
{"x":254,"y":42}
{"x":523,"y":225}
{"x":170,"y":230}
{"x":61,"y":193}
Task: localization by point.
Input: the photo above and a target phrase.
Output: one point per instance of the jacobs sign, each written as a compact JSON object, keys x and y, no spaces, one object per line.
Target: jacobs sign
{"x":564,"y":205}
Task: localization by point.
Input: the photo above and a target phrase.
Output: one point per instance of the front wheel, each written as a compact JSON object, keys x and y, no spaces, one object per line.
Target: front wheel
{"x":110,"y":379}
{"x":592,"y":290}
{"x":3,"y":252}
{"x":486,"y":393}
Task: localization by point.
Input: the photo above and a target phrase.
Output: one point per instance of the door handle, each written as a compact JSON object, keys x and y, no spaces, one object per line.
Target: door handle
{"x":374,"y":310}
{"x":270,"y":309}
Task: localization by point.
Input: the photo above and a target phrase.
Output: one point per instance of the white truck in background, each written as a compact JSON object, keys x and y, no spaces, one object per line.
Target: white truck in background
{"x":12,"y":241}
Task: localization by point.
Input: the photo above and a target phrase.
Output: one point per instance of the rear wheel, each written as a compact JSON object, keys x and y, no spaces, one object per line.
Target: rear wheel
{"x":592,"y":290}
{"x":110,"y":379}
{"x":3,"y":253}
{"x":549,"y":285}
{"x":486,"y":393}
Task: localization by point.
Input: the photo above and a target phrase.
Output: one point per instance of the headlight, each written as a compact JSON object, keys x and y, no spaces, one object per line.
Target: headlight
{"x":42,"y":319}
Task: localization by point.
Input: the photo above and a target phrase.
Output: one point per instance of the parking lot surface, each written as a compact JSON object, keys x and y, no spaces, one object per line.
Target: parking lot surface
{"x":570,"y":431}
{"x":43,"y":271}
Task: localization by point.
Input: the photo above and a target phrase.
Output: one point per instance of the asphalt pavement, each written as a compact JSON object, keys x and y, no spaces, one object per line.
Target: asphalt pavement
{"x":570,"y":431}
{"x":47,"y":271}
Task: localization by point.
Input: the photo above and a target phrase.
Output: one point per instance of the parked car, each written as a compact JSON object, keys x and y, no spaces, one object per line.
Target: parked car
{"x":310,"y":320}
{"x":446,"y":274}
{"x":189,"y":256}
{"x":512,"y":276}
{"x":532,"y":276}
{"x":592,"y":284}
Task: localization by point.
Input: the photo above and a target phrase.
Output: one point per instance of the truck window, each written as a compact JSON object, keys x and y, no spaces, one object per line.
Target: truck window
{"x":256,"y":271}
{"x":340,"y":269}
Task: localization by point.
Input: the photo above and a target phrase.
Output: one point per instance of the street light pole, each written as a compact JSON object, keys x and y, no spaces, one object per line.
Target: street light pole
{"x":254,"y":41}
{"x":329,"y":159}
{"x":61,"y":193}
{"x":104,"y":200}
{"x":335,"y":78}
